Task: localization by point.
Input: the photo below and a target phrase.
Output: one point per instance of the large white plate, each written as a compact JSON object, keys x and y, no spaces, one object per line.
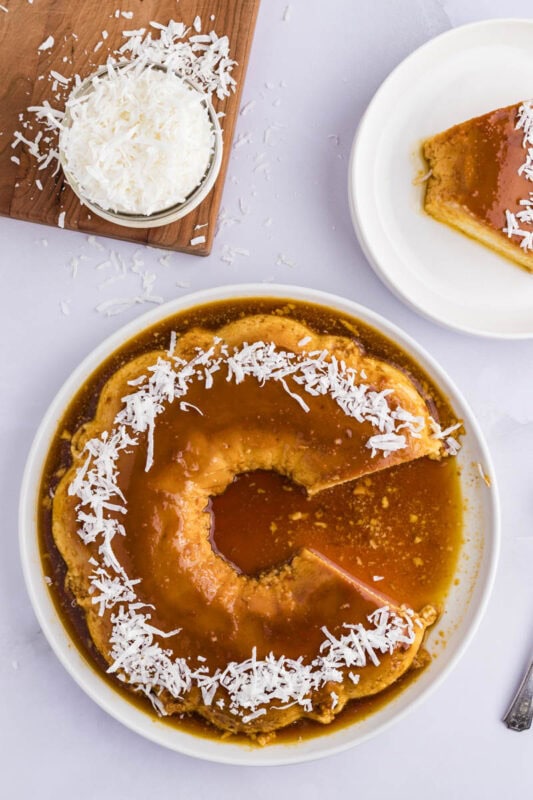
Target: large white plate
{"x":440,"y":272}
{"x":464,"y":605}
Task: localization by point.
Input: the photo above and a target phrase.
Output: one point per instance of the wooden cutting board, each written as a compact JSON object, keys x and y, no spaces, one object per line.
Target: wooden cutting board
{"x":26,"y":26}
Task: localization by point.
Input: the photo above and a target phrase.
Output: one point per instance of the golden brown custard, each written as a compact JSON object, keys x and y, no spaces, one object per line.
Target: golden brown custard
{"x":488,"y":154}
{"x":475,"y":179}
{"x":397,"y":530}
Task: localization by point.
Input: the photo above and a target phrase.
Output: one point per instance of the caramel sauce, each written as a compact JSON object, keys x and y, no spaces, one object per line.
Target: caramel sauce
{"x":381,"y":526}
{"x":487,"y":153}
{"x":402,"y":525}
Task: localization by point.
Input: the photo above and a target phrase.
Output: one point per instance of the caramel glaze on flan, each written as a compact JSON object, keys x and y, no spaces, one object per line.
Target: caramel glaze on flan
{"x":475,"y":179}
{"x":321,"y":569}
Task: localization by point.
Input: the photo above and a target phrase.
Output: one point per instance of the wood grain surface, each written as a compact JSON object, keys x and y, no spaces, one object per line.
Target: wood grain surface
{"x":77,"y":28}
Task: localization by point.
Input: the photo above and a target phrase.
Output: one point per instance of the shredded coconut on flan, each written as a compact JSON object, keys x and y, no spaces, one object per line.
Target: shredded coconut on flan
{"x":138,"y":658}
{"x":513,"y":221}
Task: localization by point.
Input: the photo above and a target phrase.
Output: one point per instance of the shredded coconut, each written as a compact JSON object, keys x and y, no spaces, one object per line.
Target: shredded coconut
{"x":138,"y":658}
{"x":138,"y":142}
{"x":47,"y":44}
{"x":201,"y":59}
{"x":514,"y":222}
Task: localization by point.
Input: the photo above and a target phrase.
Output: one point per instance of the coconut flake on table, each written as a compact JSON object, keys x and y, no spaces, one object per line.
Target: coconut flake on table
{"x":247,"y":107}
{"x":138,"y":142}
{"x":284,"y":260}
{"x":287,"y":13}
{"x":229,"y":254}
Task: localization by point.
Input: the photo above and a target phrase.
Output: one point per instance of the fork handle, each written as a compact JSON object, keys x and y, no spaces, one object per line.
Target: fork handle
{"x":520,"y":713}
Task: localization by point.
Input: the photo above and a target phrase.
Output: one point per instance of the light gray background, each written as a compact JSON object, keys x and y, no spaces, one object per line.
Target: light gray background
{"x":312,"y":74}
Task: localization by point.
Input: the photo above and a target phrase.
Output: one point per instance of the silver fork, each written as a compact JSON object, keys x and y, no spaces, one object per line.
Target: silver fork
{"x":520,"y":713}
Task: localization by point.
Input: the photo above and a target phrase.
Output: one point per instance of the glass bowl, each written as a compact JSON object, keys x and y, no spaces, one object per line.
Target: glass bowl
{"x":166,"y":215}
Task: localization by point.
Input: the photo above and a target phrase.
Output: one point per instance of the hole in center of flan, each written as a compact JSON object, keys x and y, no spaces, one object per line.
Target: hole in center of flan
{"x":259,"y":521}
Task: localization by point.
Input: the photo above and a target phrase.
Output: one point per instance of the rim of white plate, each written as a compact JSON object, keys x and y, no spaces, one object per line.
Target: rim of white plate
{"x":142,"y":722}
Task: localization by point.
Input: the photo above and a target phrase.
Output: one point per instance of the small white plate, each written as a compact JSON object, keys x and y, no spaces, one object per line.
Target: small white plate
{"x":440,"y":272}
{"x":465,"y":603}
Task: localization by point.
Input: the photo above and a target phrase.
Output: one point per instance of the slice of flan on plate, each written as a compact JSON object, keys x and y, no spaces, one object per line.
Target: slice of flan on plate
{"x":480,"y":174}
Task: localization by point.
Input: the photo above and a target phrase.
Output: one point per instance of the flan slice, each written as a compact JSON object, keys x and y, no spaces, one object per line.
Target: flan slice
{"x":480,"y":180}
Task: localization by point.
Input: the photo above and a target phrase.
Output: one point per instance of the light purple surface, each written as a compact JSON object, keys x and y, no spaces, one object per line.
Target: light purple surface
{"x":330,"y":60}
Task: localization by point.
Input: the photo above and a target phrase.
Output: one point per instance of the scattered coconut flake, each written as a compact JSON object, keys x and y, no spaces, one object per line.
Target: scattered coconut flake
{"x":247,"y":107}
{"x":117,"y":305}
{"x":485,"y":478}
{"x":229,"y":254}
{"x":287,"y":13}
{"x":270,"y":131}
{"x":514,"y":222}
{"x":242,"y":138}
{"x":93,"y":241}
{"x":47,"y":44}
{"x":15,"y":159}
{"x":451,"y":445}
{"x":172,"y":345}
{"x":65,"y":307}
{"x":59,"y":77}
{"x":3,"y":8}
{"x":184,"y":406}
{"x":111,"y":128}
{"x":422,"y":178}
{"x":224,"y":219}
{"x":283,"y":259}
{"x":197,"y":240}
{"x":138,"y":658}
{"x":377,"y":578}
{"x":197,"y":24}
{"x":61,"y":220}
{"x":203,"y":59}
{"x":199,"y":227}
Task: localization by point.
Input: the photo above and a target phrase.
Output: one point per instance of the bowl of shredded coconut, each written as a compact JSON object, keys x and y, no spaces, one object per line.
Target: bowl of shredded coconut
{"x":140,"y":145}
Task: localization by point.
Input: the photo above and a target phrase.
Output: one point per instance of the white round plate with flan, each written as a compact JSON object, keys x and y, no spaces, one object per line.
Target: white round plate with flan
{"x":437,"y":270}
{"x":465,"y":602}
